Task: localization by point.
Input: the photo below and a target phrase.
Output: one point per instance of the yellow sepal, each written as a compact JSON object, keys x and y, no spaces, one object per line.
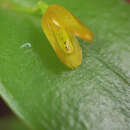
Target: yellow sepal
{"x":61,"y":29}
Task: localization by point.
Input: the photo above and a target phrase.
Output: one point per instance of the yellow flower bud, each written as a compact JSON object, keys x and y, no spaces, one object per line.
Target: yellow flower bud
{"x":61,"y":29}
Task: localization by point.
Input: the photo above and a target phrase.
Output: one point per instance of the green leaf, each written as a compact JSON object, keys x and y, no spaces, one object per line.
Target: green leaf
{"x":49,"y":96}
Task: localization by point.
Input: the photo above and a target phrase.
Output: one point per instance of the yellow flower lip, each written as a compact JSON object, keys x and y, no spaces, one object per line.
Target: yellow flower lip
{"x":61,"y":29}
{"x":62,"y":37}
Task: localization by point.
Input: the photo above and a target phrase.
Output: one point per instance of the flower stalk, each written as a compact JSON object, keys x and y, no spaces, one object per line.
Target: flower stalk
{"x":38,"y":9}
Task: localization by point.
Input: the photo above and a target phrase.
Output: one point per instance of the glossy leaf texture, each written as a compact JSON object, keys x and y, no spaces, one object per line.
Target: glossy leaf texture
{"x":46,"y":94}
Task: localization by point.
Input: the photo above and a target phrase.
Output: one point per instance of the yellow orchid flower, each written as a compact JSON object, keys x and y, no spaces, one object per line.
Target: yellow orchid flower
{"x":61,"y":29}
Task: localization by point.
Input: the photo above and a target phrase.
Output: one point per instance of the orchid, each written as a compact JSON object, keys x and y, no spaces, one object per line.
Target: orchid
{"x":61,"y":29}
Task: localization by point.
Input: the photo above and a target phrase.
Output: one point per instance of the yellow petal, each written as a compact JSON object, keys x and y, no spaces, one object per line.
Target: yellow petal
{"x":70,"y":22}
{"x":63,"y":42}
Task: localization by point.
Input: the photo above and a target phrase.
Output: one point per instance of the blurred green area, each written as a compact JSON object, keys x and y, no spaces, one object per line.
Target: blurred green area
{"x":47,"y":95}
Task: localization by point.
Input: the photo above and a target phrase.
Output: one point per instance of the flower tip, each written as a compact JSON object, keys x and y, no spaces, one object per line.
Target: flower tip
{"x":85,"y":34}
{"x":88,"y":36}
{"x":75,"y":63}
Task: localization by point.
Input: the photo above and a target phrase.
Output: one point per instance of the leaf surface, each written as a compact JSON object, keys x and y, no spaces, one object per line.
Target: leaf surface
{"x":49,"y":96}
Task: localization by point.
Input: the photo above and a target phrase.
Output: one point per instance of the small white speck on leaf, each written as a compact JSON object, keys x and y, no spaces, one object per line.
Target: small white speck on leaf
{"x":26,"y":45}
